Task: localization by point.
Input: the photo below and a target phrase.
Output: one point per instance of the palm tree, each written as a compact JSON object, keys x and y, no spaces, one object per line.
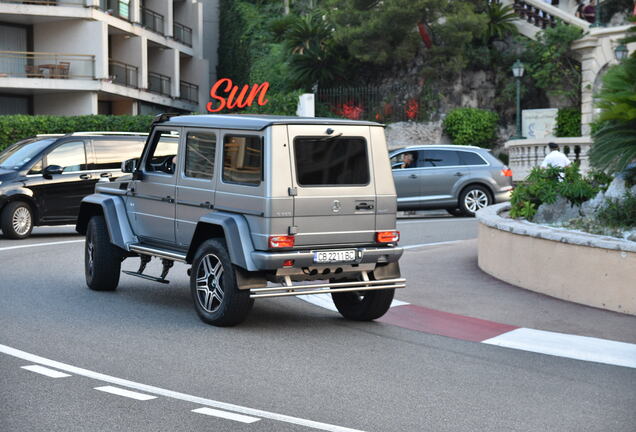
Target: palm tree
{"x":500,"y":21}
{"x":615,"y":140}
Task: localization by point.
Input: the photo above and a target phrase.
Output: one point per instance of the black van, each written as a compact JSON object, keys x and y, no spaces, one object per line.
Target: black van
{"x":43,"y":179}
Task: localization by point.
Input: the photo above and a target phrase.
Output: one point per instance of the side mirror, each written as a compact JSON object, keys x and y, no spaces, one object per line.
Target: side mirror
{"x":129,"y":166}
{"x":50,"y":170}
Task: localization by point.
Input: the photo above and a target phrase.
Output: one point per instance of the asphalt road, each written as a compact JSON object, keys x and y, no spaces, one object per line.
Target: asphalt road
{"x":290,"y":365}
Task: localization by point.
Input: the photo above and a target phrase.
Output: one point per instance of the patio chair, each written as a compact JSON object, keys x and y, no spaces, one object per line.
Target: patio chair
{"x":63,"y":70}
{"x":33,"y":71}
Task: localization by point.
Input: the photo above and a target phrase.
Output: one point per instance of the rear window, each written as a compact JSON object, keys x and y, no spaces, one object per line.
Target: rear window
{"x":243,"y":159}
{"x":470,"y":158}
{"x":331,"y":162}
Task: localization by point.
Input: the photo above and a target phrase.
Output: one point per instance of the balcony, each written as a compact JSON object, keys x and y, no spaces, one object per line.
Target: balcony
{"x":152,"y":20}
{"x":118,"y":8}
{"x":182,"y":33}
{"x":23,"y":64}
{"x":123,"y":74}
{"x":189,"y":92}
{"x":158,"y":83}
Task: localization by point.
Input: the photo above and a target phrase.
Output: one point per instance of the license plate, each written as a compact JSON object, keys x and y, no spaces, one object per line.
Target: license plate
{"x":332,"y":256}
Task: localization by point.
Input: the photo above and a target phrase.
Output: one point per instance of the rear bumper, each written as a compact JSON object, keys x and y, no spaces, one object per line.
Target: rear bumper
{"x":305,"y":258}
{"x":502,"y":196}
{"x":327,"y":288}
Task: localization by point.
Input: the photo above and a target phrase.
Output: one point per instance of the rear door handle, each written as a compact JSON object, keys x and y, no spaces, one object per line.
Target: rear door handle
{"x":206,"y":205}
{"x":106,"y":174}
{"x":365,"y":206}
{"x":459,"y":174}
{"x":85,"y":176}
{"x":168,"y":199}
{"x":413,"y":176}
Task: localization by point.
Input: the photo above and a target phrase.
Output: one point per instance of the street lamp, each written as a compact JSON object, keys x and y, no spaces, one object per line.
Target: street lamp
{"x":597,"y":14}
{"x":517,"y":72}
{"x":620,"y":52}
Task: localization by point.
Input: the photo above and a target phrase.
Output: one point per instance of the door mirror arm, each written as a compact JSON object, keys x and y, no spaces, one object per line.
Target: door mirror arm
{"x":51,"y":170}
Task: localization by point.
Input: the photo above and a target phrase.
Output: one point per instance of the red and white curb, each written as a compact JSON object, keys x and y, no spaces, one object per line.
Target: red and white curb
{"x":436,"y":322}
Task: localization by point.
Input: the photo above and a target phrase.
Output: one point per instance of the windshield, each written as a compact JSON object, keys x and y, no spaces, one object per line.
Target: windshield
{"x":22,"y":152}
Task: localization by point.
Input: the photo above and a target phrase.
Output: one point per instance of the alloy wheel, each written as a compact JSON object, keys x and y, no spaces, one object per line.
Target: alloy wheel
{"x":21,"y":221}
{"x":476,"y":199}
{"x":210,"y":283}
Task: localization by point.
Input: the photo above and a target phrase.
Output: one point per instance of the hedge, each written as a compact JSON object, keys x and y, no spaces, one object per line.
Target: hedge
{"x":16,"y":127}
{"x":471,"y":126}
{"x":568,"y":122}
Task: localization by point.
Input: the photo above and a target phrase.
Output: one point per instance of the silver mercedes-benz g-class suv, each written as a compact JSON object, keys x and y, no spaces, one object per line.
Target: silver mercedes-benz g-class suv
{"x":259,"y":206}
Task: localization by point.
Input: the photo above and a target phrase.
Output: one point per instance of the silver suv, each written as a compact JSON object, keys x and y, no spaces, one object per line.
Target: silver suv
{"x":260,"y":207}
{"x":460,"y":179}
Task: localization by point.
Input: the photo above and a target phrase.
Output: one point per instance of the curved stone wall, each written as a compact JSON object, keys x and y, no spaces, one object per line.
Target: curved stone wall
{"x":579,"y":267}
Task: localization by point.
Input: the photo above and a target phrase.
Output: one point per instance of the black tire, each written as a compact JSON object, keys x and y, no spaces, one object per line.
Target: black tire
{"x":16,"y":220}
{"x":474,"y":198}
{"x":363,"y":305}
{"x":215,"y":293}
{"x":455,"y":212}
{"x":102,"y":259}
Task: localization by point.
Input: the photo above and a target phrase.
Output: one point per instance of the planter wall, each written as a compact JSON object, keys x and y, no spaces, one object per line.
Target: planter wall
{"x":583,"y":268}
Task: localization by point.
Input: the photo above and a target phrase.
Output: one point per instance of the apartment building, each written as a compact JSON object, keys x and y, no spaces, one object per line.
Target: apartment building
{"x":72,"y":57}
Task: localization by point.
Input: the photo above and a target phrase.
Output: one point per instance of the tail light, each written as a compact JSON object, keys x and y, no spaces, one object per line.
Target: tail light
{"x":387,"y":236}
{"x":506,"y":172}
{"x":281,"y":241}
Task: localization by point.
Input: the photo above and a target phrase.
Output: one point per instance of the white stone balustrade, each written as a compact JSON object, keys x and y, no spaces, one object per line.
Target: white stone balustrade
{"x":527,"y":153}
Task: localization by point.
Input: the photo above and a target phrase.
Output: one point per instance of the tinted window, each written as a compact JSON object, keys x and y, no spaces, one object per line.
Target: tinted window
{"x":36,"y":168}
{"x":110,"y":154}
{"x":334,"y":162}
{"x":199,"y":157}
{"x":242,"y":159}
{"x":438,"y":158}
{"x":71,"y":156}
{"x":471,"y":158}
{"x":408,"y":159}
{"x":162,"y":157}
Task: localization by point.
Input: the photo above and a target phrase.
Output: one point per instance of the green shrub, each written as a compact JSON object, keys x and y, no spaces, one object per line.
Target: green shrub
{"x":568,"y":122}
{"x":471,"y":126}
{"x":16,"y":127}
{"x":617,"y":213}
{"x":544,"y":185}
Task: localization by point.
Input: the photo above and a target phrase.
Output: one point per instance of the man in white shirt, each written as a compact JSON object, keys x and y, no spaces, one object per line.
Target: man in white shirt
{"x":555,"y":158}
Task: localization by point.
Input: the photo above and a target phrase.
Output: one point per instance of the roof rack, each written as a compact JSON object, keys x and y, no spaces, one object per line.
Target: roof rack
{"x":108,"y":133}
{"x":48,"y":135}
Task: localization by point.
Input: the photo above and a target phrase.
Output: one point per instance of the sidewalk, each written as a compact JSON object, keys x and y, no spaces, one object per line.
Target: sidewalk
{"x":447,"y":278}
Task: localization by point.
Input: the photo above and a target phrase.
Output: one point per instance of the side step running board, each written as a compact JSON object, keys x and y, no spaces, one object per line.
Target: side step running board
{"x":325,"y":288}
{"x":161,"y":253}
{"x":145,"y":276}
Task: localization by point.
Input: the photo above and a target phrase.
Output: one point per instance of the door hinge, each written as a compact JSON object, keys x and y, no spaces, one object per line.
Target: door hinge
{"x":292,"y":191}
{"x":292,"y":230}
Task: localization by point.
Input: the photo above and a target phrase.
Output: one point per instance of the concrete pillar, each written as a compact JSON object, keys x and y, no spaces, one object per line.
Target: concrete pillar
{"x":135,"y":11}
{"x":176,"y":74}
{"x":143,"y":66}
{"x":101,"y":49}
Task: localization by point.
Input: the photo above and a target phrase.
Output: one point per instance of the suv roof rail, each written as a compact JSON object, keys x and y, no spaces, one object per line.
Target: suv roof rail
{"x":159,"y":118}
{"x":108,"y":133}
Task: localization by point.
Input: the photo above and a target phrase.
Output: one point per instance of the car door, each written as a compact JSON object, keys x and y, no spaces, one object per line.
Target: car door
{"x":441,"y":171}
{"x":151,"y":203}
{"x":407,"y":178}
{"x":59,"y":195}
{"x":195,"y":182}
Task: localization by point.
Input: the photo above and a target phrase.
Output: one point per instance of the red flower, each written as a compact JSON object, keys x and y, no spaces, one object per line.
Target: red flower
{"x":412,"y":108}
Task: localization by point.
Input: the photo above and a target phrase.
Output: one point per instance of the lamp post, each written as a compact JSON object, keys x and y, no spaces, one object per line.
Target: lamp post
{"x":517,"y":72}
{"x":620,"y":52}
{"x":597,"y":14}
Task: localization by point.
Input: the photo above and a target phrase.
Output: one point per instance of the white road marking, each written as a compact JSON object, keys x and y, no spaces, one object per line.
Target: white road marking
{"x":125,"y":393}
{"x":226,"y":415}
{"x":172,"y":394}
{"x":40,"y":244}
{"x":569,"y":346}
{"x":46,"y":371}
{"x":326,"y":302}
{"x":431,"y":244}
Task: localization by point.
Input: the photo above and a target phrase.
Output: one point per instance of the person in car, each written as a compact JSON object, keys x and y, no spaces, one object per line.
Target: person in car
{"x":407,"y":161}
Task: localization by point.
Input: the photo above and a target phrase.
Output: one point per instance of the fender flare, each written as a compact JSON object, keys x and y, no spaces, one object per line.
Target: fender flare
{"x":21,"y":194}
{"x":237,"y":237}
{"x":114,"y":211}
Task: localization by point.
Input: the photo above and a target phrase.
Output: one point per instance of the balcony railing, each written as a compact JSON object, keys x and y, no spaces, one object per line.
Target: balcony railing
{"x":24,"y":64}
{"x":47,"y":2}
{"x":118,"y":8}
{"x":189,"y":92}
{"x":123,"y":74}
{"x":152,"y":20}
{"x":158,"y":83}
{"x":182,"y":33}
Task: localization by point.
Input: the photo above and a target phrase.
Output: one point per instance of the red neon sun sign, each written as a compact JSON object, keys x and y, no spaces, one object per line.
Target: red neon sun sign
{"x":233,"y":98}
